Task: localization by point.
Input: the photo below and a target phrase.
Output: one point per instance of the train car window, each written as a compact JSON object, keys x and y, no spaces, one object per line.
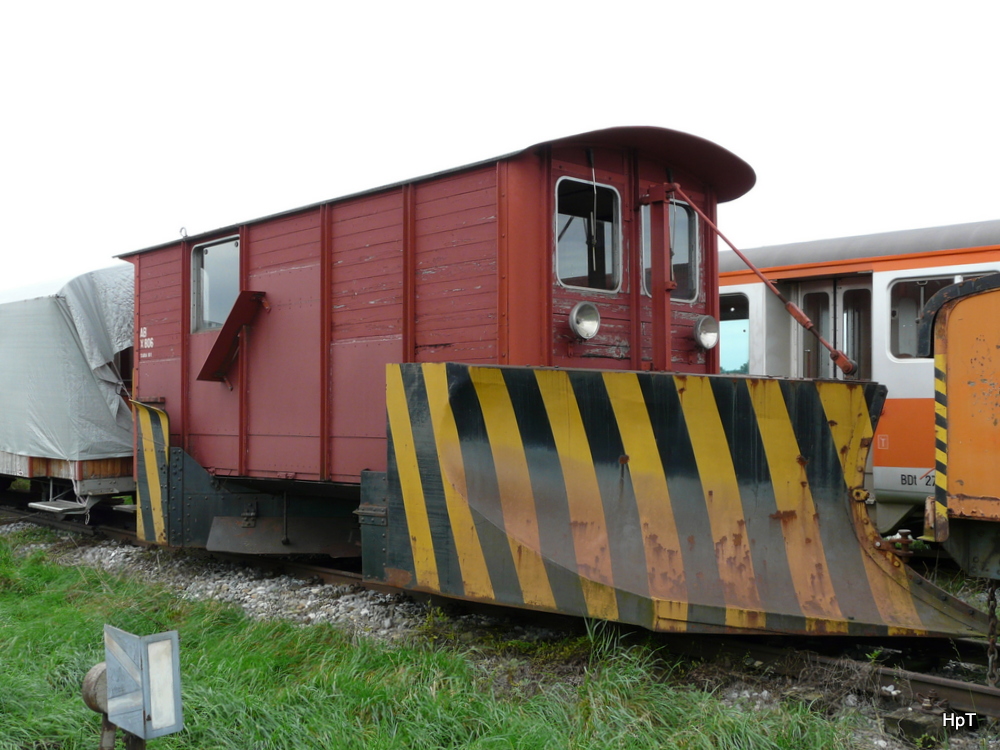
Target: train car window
{"x":215,"y":283}
{"x":856,"y":331}
{"x":684,"y":254}
{"x":587,"y":235}
{"x":815,"y":362}
{"x":734,"y":334}
{"x":906,"y":301}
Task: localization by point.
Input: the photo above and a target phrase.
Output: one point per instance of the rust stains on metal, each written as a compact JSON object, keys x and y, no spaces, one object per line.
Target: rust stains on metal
{"x":973,"y":506}
{"x":398,"y":578}
{"x":785,"y":515}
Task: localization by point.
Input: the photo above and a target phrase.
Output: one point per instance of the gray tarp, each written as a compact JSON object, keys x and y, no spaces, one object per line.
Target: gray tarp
{"x":59,"y":387}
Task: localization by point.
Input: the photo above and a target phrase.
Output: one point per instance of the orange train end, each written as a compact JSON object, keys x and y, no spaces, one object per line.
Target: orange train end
{"x":964,"y":512}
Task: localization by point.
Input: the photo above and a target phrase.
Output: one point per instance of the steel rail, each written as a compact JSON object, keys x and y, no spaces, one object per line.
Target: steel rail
{"x":906,"y":686}
{"x":982,"y":700}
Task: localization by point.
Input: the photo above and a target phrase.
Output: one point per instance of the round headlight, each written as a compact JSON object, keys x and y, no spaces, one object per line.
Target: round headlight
{"x":706,"y":331}
{"x":584,"y":320}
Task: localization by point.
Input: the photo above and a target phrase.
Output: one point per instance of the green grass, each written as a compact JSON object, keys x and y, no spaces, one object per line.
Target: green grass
{"x":259,"y":685}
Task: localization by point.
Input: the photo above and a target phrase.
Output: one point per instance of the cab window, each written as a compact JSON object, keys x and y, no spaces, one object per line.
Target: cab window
{"x":588,"y":229}
{"x":684,"y":253}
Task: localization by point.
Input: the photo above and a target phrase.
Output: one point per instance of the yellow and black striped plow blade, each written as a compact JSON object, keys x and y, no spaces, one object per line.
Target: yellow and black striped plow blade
{"x":697,"y":503}
{"x":151,"y":465}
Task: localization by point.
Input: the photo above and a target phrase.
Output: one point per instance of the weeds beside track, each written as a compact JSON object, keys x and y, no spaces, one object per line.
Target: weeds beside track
{"x":251,"y":684}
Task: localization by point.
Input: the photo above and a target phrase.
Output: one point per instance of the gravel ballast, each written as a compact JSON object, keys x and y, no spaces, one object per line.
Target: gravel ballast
{"x":260,"y":594}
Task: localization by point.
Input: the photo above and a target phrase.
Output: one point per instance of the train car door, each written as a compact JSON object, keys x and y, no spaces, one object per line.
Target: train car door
{"x":841,"y":309}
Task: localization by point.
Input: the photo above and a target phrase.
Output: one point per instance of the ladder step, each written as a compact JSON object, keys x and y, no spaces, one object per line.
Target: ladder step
{"x":125,"y":508}
{"x":59,"y":506}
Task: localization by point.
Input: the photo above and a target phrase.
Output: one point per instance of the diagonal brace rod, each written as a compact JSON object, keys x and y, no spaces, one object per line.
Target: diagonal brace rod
{"x":842,"y":361}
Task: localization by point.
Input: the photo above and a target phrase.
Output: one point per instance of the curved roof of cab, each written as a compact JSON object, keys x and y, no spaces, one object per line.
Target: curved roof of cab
{"x":727,"y":174}
{"x":885,"y":244}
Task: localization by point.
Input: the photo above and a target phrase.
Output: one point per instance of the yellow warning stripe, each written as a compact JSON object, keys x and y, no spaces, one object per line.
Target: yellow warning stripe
{"x":670,"y":616}
{"x":665,"y":568}
{"x":888,"y":582}
{"x":154,"y":490}
{"x":475,"y":574}
{"x":843,"y":427}
{"x":796,"y":509}
{"x":424,"y":563}
{"x":589,"y":526}
{"x":519,"y":519}
{"x":723,"y":502}
{"x":941,"y":410}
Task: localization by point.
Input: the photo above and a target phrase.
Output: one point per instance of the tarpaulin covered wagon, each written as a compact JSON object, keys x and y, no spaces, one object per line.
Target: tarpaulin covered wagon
{"x":64,"y":418}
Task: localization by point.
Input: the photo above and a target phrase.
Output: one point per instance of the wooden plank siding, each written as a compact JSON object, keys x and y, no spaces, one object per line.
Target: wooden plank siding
{"x":366,"y":327}
{"x":366,"y":261}
{"x":283,"y":348}
{"x":159,"y":314}
{"x":455,"y":284}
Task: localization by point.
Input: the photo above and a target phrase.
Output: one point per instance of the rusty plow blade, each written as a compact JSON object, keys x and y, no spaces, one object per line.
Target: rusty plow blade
{"x":678,"y":503}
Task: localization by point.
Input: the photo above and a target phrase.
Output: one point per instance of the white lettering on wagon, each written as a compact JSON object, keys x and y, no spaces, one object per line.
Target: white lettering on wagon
{"x":145,"y":342}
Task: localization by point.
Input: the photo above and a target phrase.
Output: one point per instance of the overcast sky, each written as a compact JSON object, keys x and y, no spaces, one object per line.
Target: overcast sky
{"x":123,"y":122}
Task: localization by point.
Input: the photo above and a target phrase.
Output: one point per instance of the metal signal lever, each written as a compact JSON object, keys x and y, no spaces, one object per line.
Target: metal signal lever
{"x":846,"y":365}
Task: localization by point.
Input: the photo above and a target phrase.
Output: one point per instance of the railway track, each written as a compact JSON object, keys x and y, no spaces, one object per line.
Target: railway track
{"x":928,"y":693}
{"x":120,"y":532}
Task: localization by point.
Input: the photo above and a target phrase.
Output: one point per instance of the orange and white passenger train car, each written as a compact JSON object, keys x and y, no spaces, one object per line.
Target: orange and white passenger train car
{"x":865,"y":294}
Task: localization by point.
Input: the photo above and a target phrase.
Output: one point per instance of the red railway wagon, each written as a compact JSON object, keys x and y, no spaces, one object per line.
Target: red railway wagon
{"x":266,"y":342}
{"x":463,"y":378}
